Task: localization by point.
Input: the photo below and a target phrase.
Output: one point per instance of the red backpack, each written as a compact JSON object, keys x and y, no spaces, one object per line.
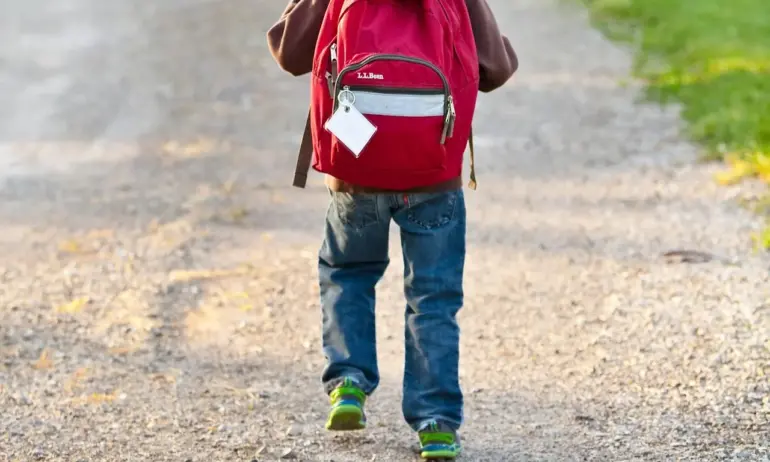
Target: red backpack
{"x":410,"y":68}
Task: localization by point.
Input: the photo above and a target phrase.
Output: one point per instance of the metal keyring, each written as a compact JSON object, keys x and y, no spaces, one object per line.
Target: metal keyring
{"x":346,"y":98}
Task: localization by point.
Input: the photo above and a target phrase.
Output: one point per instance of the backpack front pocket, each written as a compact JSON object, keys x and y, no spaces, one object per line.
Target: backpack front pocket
{"x":409,"y":125}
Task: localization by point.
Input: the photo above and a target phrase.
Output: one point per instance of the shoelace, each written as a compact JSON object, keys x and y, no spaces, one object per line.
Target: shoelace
{"x":433,"y":435}
{"x":346,"y":389}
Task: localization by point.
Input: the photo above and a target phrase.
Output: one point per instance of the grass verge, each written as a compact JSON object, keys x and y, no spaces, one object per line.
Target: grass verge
{"x":713,"y":57}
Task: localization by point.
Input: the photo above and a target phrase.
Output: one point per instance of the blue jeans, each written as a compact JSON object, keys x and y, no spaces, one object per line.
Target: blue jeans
{"x":353,"y":258}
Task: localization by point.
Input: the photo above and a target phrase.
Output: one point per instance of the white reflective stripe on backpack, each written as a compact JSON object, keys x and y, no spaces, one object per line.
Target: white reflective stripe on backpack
{"x":399,"y":105}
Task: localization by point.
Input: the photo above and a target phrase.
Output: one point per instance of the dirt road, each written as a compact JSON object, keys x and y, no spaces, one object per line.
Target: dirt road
{"x":159,"y":300}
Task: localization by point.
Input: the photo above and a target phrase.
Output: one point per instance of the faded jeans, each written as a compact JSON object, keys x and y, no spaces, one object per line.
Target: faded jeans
{"x":353,"y":258}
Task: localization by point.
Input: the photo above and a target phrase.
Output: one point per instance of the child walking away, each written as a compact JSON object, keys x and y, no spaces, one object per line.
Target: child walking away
{"x":394,"y":85}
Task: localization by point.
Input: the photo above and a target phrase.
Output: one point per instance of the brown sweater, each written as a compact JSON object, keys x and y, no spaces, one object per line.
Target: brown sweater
{"x":293,"y":38}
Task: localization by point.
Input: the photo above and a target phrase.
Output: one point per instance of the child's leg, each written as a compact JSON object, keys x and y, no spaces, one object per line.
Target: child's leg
{"x":353,"y":258}
{"x":433,"y":241}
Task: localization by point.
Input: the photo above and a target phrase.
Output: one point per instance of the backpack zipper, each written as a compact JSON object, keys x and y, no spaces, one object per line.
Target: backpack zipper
{"x":331,"y":77}
{"x":449,"y":122}
{"x":449,"y":109}
{"x":395,"y":90}
{"x":392,"y":57}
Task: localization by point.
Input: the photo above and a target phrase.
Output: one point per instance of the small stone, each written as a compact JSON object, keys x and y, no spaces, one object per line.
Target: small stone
{"x":742,"y":454}
{"x":38,"y":454}
{"x":293,"y":430}
{"x":288,"y":454}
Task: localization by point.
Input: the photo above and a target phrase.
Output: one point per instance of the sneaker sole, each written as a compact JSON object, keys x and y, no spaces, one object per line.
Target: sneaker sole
{"x":346,"y":418}
{"x":440,"y":455}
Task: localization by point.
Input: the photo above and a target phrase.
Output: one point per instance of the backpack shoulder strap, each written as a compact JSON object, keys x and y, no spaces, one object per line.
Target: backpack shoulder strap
{"x":472,"y":183}
{"x":304,"y":157}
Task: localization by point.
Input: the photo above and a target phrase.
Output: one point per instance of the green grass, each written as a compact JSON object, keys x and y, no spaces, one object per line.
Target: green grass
{"x":713,"y":57}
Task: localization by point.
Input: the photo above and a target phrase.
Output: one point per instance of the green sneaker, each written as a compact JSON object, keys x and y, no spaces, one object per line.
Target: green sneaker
{"x":438,"y":441}
{"x":347,"y":412}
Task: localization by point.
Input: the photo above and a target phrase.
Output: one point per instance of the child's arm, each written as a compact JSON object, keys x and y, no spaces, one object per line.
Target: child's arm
{"x":293,"y":38}
{"x":497,"y":60}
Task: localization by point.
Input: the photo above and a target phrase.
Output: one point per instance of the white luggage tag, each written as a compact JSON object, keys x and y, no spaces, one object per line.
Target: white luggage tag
{"x":350,"y":127}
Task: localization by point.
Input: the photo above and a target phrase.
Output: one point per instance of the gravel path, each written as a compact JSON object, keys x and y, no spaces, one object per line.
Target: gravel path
{"x":158,"y":296}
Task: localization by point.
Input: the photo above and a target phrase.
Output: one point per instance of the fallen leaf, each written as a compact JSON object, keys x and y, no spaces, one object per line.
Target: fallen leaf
{"x":44,"y":361}
{"x":688,"y":256}
{"x":122,"y":350}
{"x":737,"y":171}
{"x":228,"y":187}
{"x":196,"y":148}
{"x":70,"y":246}
{"x":93,"y":398}
{"x":98,"y":398}
{"x":73,"y":382}
{"x":101,"y":234}
{"x":196,"y":275}
{"x":75,"y":306}
{"x":168,"y":378}
{"x":238,"y":214}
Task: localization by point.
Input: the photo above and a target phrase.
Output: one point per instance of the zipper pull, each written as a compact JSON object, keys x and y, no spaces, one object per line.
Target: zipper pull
{"x":452,"y":117}
{"x":449,"y":121}
{"x":331,"y":77}
{"x":346,"y":98}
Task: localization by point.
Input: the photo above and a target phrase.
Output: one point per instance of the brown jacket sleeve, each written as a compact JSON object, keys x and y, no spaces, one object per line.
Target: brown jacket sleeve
{"x":292,"y":41}
{"x":497,"y":60}
{"x":293,"y":38}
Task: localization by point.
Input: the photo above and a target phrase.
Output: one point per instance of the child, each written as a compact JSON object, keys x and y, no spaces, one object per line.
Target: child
{"x":354,"y":256}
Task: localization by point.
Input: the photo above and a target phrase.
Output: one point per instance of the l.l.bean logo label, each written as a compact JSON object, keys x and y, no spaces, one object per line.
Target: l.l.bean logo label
{"x":370,"y":76}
